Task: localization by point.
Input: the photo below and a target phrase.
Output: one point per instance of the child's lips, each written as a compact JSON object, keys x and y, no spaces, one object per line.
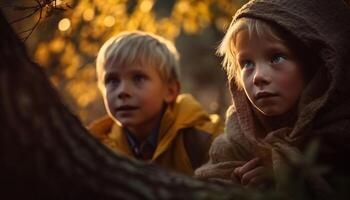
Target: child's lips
{"x":126,"y":108}
{"x":264,"y":94}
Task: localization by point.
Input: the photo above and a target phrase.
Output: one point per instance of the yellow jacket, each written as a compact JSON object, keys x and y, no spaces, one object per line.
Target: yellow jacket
{"x":185,"y":134}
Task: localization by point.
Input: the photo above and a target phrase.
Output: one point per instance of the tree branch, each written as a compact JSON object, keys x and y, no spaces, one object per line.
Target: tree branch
{"x":46,"y":153}
{"x":49,"y":5}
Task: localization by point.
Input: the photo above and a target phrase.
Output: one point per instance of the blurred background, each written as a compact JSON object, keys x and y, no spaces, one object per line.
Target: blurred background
{"x":64,"y":37}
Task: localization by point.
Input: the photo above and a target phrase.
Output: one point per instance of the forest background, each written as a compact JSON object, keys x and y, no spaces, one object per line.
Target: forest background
{"x":65,"y":36}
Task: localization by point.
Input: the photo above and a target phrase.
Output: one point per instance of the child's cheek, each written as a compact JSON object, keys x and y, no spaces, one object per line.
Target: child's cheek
{"x":288,"y":80}
{"x":285,"y":83}
{"x":291,"y":84}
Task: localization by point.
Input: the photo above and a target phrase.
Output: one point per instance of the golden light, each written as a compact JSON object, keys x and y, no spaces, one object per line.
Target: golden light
{"x":88,"y":14}
{"x":56,"y":45}
{"x":42,"y":55}
{"x":222,"y":23}
{"x":119,"y":10}
{"x":58,"y":2}
{"x":109,"y":21}
{"x":190,"y":26}
{"x":183,"y":6}
{"x":146,"y":5}
{"x":64,"y":24}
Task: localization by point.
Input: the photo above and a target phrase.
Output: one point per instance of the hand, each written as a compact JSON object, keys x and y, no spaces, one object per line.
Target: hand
{"x":254,"y":174}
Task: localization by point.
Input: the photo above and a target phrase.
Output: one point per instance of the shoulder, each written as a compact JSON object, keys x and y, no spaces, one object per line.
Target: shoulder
{"x":187,"y":102}
{"x":188,"y":113}
{"x":101,"y":126}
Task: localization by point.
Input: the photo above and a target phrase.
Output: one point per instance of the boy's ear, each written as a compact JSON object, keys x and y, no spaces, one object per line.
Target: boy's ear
{"x":173,"y":91}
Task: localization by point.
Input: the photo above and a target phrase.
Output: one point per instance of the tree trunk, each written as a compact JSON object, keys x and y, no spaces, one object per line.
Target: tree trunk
{"x":46,"y":153}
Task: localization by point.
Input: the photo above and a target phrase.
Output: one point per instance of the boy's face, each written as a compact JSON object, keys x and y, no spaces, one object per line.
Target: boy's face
{"x":270,"y":73}
{"x":134,"y":95}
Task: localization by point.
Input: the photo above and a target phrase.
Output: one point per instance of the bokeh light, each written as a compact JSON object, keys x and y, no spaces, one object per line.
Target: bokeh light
{"x":146,"y":5}
{"x":88,"y":14}
{"x":109,"y":21}
{"x":64,"y":24}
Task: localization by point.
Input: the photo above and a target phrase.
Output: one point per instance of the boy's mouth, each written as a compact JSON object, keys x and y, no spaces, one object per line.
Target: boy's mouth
{"x":126,"y":108}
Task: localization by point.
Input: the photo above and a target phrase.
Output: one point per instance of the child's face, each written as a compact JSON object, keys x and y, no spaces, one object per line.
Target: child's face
{"x":134,"y":95}
{"x":270,"y":73}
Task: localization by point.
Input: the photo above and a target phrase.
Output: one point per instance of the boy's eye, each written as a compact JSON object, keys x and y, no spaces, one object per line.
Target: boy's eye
{"x":247,"y":64}
{"x":112,"y":81}
{"x":277,"y":59}
{"x":139,"y":78}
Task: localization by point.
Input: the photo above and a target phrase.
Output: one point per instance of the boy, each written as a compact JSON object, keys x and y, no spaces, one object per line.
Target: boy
{"x":286,"y":62}
{"x":138,"y":75}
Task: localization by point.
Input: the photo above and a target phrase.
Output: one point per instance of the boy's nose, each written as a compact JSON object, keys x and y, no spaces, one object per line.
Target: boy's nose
{"x":261,"y":75}
{"x":123,"y":95}
{"x":123,"y":91}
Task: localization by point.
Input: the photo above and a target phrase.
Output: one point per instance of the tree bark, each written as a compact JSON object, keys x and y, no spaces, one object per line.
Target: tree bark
{"x":46,"y":153}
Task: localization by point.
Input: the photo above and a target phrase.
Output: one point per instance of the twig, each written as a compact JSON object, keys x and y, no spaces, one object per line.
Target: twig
{"x":37,"y":23}
{"x":15,"y":7}
{"x":48,"y":5}
{"x":29,"y":15}
{"x":21,"y":32}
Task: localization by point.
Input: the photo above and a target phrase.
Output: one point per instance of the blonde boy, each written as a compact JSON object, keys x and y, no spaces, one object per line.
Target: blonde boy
{"x":138,"y":76}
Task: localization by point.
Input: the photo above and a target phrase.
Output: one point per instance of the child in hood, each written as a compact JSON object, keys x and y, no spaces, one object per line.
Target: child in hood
{"x":287,"y":64}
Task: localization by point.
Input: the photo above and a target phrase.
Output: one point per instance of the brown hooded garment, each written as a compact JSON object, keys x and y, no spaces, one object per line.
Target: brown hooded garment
{"x":323,"y":27}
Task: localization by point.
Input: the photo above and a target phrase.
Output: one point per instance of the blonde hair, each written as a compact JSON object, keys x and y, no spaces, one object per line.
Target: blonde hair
{"x":137,"y":47}
{"x":253,"y":26}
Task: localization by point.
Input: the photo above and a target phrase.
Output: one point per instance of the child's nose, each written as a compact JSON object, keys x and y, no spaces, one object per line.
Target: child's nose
{"x":261,"y":75}
{"x":123,"y":90}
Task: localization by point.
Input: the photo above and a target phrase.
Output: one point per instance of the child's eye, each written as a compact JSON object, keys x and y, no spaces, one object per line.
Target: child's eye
{"x":277,"y":59}
{"x":112,"y":81}
{"x":247,"y":64}
{"x":139,"y":78}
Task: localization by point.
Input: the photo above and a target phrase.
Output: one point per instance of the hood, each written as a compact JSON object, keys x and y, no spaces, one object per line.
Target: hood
{"x":323,"y":27}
